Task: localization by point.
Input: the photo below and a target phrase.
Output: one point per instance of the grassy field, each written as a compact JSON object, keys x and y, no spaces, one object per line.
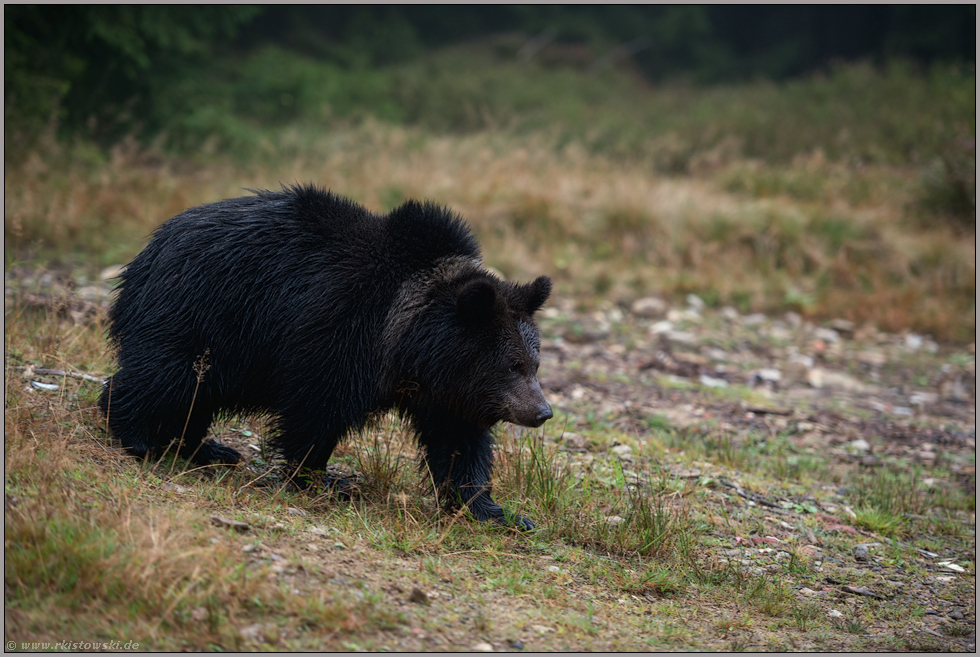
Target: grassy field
{"x":671,"y":517}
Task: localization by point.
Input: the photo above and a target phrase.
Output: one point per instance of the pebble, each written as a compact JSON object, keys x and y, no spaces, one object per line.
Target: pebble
{"x":956,"y":614}
{"x":696,"y":303}
{"x":483,"y":647}
{"x":730,"y":314}
{"x":833,"y":613}
{"x":622,"y":450}
{"x":418,"y":596}
{"x":649,"y":307}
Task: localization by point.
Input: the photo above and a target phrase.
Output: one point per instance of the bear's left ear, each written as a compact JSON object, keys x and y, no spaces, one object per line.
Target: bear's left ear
{"x":536,"y":293}
{"x":475,"y":301}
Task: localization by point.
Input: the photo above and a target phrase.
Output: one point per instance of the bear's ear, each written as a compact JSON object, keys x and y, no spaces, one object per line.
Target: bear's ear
{"x":475,"y":301}
{"x":536,"y":293}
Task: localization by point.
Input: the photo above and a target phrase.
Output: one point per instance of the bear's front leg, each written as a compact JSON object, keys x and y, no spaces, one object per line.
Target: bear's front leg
{"x":459,"y":456}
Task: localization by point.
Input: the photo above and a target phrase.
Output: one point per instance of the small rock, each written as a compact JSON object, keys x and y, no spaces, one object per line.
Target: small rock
{"x":663,"y":326}
{"x":615,"y":520}
{"x":830,"y":336}
{"x":418,"y":597}
{"x":696,"y":303}
{"x":833,"y":613}
{"x":859,"y":445}
{"x":730,"y":314}
{"x":515,"y":644}
{"x":542,"y":629}
{"x":252,"y":633}
{"x":199,"y":614}
{"x":712,"y":382}
{"x":950,"y":566}
{"x":483,"y":647}
{"x":230,"y":524}
{"x":923,"y":398}
{"x":686,"y":315}
{"x":681,"y":337}
{"x":754,"y":319}
{"x":842,"y":326}
{"x":296,"y":512}
{"x":767,"y":376}
{"x":913,"y":341}
{"x":860,"y":552}
{"x":621,"y":450}
{"x":717,"y":354}
{"x":956,"y":614}
{"x":318,"y":531}
{"x":793,"y":319}
{"x":575,"y":441}
{"x":554,"y":569}
{"x":649,"y":307}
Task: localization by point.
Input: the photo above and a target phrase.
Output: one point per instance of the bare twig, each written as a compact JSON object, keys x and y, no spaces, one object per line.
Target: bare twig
{"x":51,"y":372}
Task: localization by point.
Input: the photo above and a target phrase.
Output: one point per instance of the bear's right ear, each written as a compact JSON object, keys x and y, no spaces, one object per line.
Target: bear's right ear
{"x":475,"y":301}
{"x":536,"y":293}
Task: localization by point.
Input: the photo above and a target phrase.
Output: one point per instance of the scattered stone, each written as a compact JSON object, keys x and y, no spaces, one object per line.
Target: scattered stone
{"x":833,"y":613}
{"x":861,"y":590}
{"x":542,"y":629}
{"x":199,"y":614}
{"x":730,"y":314}
{"x":175,"y":488}
{"x":696,"y":303}
{"x":218,"y":521}
{"x":767,"y":376}
{"x":956,"y":614}
{"x":483,"y":647}
{"x":754,"y":319}
{"x":681,"y":337}
{"x":576,"y":442}
{"x":615,"y":520}
{"x":554,"y":569}
{"x":923,"y":398}
{"x":515,"y":644}
{"x":828,"y":335}
{"x":418,"y":597}
{"x":649,"y":307}
{"x":843,"y":326}
{"x":622,"y":451}
{"x":913,"y":341}
{"x":861,"y":552}
{"x":686,"y":315}
{"x":950,"y":566}
{"x":296,"y":512}
{"x":662,"y":326}
{"x":712,"y":382}
{"x":859,"y":445}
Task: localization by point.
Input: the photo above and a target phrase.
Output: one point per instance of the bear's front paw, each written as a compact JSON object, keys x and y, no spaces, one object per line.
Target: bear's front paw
{"x":485,"y":512}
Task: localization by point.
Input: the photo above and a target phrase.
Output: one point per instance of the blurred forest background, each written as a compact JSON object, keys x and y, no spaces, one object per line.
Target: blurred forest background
{"x":835,"y":144}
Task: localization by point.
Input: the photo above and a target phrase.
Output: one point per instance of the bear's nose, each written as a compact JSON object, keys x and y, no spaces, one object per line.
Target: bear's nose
{"x":544,"y":414}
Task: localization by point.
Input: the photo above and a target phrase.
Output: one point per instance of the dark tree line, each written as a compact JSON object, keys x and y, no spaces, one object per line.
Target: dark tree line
{"x":87,"y":61}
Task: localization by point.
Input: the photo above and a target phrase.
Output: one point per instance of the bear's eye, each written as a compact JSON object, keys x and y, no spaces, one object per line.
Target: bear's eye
{"x":515,"y":367}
